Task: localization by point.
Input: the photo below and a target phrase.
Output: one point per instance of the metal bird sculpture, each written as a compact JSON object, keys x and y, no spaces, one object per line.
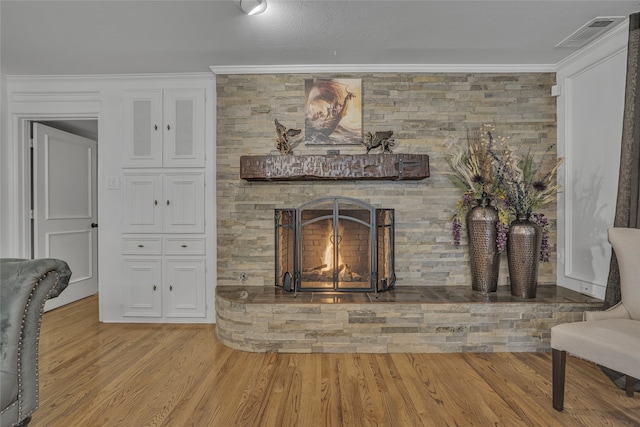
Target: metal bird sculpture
{"x":284,"y":138}
{"x":379,"y":139}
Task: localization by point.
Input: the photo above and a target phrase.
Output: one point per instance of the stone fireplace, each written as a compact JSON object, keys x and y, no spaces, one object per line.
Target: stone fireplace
{"x":334,"y":244}
{"x":423,"y":109}
{"x":431,"y":307}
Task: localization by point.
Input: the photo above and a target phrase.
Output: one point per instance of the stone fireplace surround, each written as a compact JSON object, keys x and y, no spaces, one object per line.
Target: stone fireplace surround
{"x":424,"y":110}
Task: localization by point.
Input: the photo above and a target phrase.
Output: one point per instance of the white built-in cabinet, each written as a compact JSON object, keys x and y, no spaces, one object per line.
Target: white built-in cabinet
{"x":164,"y":128}
{"x":163,"y":202}
{"x":164,"y":277}
{"x":163,"y":220}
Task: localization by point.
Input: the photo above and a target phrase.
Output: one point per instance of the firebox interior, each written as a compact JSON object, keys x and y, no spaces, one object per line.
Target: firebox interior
{"x":334,"y":244}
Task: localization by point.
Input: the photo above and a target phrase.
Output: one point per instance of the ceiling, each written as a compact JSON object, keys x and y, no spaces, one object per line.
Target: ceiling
{"x":123,"y":37}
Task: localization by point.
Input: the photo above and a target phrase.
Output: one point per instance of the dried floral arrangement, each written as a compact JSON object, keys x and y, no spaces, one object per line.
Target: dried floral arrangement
{"x":473,"y":172}
{"x":487,"y":168}
{"x":526,"y":184}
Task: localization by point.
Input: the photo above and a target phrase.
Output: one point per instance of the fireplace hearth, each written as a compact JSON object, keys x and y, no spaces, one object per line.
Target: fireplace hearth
{"x":334,"y":244}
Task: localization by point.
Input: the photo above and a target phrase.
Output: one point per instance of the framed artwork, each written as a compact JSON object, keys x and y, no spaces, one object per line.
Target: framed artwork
{"x":333,"y":111}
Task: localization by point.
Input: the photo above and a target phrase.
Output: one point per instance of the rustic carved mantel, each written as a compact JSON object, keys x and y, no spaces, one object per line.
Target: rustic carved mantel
{"x":397,"y":167}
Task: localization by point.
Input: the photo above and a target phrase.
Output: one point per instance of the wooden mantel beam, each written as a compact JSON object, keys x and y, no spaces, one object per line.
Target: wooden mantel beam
{"x":397,"y":167}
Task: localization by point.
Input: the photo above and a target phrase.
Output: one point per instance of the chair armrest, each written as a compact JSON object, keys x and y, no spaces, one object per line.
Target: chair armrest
{"x":25,"y":285}
{"x":618,"y":311}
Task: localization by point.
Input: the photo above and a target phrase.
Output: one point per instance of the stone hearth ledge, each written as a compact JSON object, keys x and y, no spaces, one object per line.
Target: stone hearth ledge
{"x":407,"y":319}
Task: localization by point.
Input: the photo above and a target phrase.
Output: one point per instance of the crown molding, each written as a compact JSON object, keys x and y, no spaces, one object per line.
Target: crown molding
{"x":383,"y":68}
{"x":107,"y":77}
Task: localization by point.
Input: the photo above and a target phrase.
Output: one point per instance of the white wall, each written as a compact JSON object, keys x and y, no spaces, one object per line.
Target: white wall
{"x":4,"y":247}
{"x":93,"y":97}
{"x":590,"y":112}
{"x":3,"y":165}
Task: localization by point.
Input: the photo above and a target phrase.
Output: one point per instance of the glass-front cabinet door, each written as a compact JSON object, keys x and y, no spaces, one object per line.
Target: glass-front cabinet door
{"x":164,"y":128}
{"x":183,"y":128}
{"x":142,"y":128}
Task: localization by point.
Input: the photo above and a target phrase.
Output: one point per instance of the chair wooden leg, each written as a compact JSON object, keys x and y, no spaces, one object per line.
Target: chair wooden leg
{"x":630,"y":385}
{"x":559,"y":359}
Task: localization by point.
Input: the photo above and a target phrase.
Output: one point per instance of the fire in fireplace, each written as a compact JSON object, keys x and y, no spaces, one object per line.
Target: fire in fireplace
{"x":334,"y":244}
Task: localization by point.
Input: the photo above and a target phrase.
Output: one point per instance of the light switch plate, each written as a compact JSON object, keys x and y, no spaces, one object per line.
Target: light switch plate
{"x":112,"y":183}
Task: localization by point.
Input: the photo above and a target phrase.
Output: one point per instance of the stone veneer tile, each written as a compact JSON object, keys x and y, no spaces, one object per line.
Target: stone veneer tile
{"x":366,"y":318}
{"x":424,"y":110}
{"x":391,"y":327}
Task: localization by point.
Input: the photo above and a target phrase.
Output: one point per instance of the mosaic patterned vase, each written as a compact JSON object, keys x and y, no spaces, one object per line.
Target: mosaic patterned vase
{"x":523,"y":253}
{"x":481,"y":221}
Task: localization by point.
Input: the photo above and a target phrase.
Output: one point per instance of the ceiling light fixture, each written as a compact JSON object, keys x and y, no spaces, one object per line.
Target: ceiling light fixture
{"x":253,"y":7}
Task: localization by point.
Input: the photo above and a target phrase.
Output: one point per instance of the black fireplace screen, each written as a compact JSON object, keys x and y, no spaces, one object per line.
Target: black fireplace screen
{"x":334,"y":244}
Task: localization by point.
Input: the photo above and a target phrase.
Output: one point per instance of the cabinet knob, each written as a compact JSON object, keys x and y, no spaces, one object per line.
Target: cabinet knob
{"x":155,"y":127}
{"x":154,"y":287}
{"x":141,"y":246}
{"x":155,"y":203}
{"x":168,"y":127}
{"x":170,"y":287}
{"x":168,"y":203}
{"x":184,"y":246}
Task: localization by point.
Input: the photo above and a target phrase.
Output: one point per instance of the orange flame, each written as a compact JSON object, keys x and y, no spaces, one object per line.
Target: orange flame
{"x":329,"y":247}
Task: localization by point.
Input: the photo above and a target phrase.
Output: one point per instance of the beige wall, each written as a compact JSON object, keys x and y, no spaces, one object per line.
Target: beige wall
{"x":423,"y":110}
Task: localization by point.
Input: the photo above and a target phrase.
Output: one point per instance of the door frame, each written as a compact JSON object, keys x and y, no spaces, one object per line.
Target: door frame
{"x":25,"y":106}
{"x":28,"y":103}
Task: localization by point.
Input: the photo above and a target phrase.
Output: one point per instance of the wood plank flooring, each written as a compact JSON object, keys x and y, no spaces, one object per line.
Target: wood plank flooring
{"x":94,"y":374}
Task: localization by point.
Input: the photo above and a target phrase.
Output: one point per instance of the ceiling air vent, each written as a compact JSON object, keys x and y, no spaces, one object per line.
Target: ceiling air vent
{"x":590,"y":31}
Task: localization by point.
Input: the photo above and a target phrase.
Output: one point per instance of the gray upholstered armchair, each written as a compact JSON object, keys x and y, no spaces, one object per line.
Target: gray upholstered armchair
{"x":25,"y":285}
{"x":609,"y":338}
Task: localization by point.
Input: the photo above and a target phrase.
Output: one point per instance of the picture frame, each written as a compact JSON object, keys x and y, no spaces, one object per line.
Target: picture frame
{"x":333,"y":111}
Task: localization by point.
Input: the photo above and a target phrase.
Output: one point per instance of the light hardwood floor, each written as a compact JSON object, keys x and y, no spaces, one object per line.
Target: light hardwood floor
{"x":94,"y":374}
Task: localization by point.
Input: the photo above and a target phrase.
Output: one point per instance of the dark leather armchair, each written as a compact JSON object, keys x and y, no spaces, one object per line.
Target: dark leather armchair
{"x":25,"y":285}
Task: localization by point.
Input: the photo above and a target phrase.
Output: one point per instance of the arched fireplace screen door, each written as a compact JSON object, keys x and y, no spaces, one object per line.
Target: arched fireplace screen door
{"x":335,"y":244}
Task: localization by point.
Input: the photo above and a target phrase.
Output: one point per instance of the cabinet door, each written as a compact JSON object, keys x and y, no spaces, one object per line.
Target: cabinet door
{"x":142,"y":128}
{"x":142,"y":203}
{"x":183,"y":202}
{"x":142,"y":287}
{"x":184,"y":287}
{"x":184,"y":127}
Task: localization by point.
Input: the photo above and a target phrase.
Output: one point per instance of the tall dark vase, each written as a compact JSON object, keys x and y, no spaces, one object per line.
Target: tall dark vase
{"x":523,"y":253}
{"x":481,"y":221}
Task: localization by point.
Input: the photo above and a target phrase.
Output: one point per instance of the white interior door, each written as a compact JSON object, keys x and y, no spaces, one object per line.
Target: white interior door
{"x":65,"y":207}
